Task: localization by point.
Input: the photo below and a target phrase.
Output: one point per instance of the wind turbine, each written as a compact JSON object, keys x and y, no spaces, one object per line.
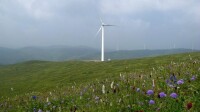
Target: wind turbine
{"x":102,"y":37}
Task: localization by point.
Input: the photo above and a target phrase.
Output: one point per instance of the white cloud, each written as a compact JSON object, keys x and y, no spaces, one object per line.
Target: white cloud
{"x":138,"y":6}
{"x":37,"y":9}
{"x":69,"y":20}
{"x":194,"y":13}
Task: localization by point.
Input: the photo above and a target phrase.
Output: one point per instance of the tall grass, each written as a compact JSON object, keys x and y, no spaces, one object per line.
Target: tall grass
{"x":178,"y":78}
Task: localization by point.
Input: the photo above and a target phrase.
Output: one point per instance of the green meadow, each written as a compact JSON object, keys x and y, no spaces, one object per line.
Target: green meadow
{"x":113,"y":86}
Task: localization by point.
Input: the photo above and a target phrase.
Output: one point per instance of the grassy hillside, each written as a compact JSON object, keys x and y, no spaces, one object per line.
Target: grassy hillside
{"x":43,"y":75}
{"x":126,"y":54}
{"x":63,"y":53}
{"x":40,"y":77}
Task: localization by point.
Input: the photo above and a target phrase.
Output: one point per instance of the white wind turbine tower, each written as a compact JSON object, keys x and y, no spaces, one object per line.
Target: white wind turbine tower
{"x":102,"y":38}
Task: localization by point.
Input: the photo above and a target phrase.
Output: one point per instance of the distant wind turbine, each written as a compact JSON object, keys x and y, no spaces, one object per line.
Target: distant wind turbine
{"x":102,"y":38}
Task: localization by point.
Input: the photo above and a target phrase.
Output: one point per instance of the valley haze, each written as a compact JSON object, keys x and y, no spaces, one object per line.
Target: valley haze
{"x":64,"y":53}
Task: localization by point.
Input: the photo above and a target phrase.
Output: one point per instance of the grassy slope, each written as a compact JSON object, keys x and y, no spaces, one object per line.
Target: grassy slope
{"x":42,"y":76}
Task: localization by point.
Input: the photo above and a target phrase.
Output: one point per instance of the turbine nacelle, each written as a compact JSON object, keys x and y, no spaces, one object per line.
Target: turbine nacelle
{"x":103,"y":24}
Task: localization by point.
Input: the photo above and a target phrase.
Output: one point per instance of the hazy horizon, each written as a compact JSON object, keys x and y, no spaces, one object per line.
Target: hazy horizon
{"x":98,"y":49}
{"x":155,"y":24}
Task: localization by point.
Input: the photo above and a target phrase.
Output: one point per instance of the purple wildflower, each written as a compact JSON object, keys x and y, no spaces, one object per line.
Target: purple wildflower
{"x":180,"y":82}
{"x":167,"y":81}
{"x":34,"y":97}
{"x":173,"y":95}
{"x":162,"y":94}
{"x":151,"y":102}
{"x":150,"y":92}
{"x":193,"y":78}
{"x":39,"y":110}
{"x":173,"y":78}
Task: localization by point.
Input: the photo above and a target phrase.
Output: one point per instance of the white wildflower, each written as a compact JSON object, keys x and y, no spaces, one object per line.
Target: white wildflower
{"x":47,"y":99}
{"x":103,"y":89}
{"x":111,"y":104}
{"x":39,"y":110}
{"x":111,"y":85}
{"x":153,"y":83}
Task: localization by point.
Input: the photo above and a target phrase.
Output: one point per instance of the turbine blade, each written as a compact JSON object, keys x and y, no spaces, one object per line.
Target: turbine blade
{"x":109,"y":25}
{"x":98,"y":31}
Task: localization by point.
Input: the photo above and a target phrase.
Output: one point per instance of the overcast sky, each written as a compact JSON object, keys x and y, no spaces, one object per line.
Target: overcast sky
{"x":157,"y":24}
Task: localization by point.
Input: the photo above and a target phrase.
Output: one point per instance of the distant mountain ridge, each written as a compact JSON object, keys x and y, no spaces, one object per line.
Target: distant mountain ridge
{"x":62,"y":53}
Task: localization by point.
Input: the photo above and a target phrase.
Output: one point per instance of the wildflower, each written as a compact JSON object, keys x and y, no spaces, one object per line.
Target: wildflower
{"x":138,"y":89}
{"x":193,"y":78}
{"x":189,"y":105}
{"x":151,"y":102}
{"x":111,"y":85}
{"x":50,"y":93}
{"x":39,"y":110}
{"x":173,"y":78}
{"x":150,"y":92}
{"x":180,"y":82}
{"x":153,"y":83}
{"x":103,"y":89}
{"x":111,"y":104}
{"x":96,"y":98}
{"x":54,"y":107}
{"x":47,"y":99}
{"x":162,"y":94}
{"x":34,"y":97}
{"x":167,"y":81}
{"x":34,"y":109}
{"x":173,"y":95}
{"x":49,"y":103}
